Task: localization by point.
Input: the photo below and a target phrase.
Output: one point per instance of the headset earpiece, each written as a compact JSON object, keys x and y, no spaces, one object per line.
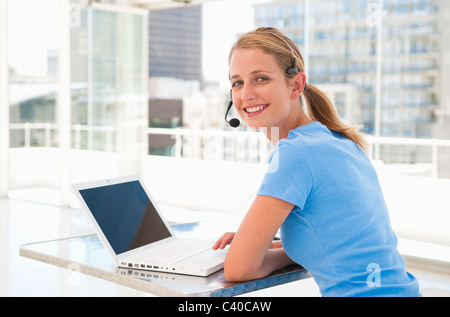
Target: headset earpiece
{"x":294,"y":69}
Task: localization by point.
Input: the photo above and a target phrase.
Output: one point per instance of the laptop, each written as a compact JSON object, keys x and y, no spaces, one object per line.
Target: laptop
{"x":135,"y":233}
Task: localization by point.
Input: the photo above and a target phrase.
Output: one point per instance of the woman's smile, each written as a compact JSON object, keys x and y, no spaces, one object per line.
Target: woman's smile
{"x":255,"y":110}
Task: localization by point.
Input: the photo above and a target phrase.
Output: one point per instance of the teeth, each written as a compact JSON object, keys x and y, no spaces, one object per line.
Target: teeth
{"x":254,"y":109}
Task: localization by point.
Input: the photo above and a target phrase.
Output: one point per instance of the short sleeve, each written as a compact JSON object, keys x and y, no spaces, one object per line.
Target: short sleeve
{"x":288,"y":176}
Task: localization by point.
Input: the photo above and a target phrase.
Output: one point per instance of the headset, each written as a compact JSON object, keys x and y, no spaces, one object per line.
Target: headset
{"x":234,"y":123}
{"x":290,"y":71}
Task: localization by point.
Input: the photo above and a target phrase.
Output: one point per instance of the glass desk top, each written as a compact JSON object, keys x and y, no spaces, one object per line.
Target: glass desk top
{"x":86,"y":254}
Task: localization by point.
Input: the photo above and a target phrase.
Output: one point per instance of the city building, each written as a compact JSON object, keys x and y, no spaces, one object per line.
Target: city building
{"x":175,"y":43}
{"x":341,"y":44}
{"x":175,"y":69}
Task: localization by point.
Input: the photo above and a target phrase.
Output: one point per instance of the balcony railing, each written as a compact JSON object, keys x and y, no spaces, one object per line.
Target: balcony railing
{"x":45,"y":135}
{"x":243,"y":146}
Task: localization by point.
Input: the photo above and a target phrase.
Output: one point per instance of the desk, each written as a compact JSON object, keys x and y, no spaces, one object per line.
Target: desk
{"x":86,"y":255}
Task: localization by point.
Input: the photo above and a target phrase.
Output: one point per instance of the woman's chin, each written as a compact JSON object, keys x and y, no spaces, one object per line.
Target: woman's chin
{"x":254,"y":124}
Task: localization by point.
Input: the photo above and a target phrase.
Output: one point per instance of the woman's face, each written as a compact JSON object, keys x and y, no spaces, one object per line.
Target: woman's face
{"x":261,"y":93}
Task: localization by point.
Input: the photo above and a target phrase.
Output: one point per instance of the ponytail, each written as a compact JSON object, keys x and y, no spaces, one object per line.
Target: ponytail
{"x":320,"y":108}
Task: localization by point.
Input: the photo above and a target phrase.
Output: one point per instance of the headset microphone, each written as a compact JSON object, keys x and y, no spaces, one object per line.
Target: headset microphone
{"x":233,"y":122}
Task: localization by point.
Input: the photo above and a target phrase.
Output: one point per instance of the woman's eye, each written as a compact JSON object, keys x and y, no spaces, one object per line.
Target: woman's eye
{"x":261,"y":79}
{"x":237,"y":83}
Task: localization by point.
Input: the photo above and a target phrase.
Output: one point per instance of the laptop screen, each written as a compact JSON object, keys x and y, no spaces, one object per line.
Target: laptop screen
{"x":126,"y":215}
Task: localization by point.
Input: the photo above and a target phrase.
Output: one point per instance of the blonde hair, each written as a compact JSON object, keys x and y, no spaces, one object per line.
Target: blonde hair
{"x":318,"y":104}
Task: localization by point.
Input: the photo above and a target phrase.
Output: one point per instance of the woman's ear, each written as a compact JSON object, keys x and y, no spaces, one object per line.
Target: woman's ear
{"x":299,"y":81}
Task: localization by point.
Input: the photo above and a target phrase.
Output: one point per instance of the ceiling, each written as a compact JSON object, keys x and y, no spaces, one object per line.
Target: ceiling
{"x":166,"y":4}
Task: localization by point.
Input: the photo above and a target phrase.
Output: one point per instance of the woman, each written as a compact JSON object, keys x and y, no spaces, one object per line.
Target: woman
{"x":320,"y":187}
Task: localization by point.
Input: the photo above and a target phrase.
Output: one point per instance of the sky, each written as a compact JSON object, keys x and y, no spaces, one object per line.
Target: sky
{"x":33,"y":28}
{"x":222,"y":21}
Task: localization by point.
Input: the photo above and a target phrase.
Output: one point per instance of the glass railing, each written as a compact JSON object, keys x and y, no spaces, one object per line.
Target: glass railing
{"x":241,"y":146}
{"x":84,"y":137}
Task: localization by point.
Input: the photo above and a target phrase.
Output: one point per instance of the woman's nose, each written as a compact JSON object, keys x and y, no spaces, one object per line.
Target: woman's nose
{"x":248,"y":93}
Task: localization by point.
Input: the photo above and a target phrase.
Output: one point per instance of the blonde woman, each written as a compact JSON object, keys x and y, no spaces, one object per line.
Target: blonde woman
{"x":320,"y":187}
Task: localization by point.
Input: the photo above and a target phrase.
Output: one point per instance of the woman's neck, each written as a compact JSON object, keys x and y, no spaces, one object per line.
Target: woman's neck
{"x":275,"y":134}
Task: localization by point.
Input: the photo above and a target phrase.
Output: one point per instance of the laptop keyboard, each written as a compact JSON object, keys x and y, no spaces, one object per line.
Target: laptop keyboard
{"x":175,"y":251}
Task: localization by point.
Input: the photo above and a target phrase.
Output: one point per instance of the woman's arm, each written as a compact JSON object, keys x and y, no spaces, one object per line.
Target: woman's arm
{"x":252,"y":254}
{"x":227,"y":237}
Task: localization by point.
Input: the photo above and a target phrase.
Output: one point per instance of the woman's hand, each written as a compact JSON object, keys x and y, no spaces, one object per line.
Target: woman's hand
{"x":276,"y":245}
{"x":253,"y":253}
{"x":224,"y":240}
{"x":227,"y":237}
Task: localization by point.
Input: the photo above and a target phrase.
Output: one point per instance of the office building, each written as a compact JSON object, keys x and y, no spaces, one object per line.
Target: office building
{"x":175,"y":69}
{"x":175,"y":43}
{"x":339,"y":40}
{"x":342,"y":41}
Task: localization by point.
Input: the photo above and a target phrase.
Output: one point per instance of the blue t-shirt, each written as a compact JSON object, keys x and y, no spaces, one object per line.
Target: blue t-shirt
{"x":339,"y":229}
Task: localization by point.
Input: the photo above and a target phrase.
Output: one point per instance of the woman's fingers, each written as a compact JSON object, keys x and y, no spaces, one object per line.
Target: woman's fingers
{"x":224,"y":240}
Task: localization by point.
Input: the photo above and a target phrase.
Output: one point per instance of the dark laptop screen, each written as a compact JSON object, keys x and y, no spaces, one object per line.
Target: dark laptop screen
{"x":125,"y":214}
